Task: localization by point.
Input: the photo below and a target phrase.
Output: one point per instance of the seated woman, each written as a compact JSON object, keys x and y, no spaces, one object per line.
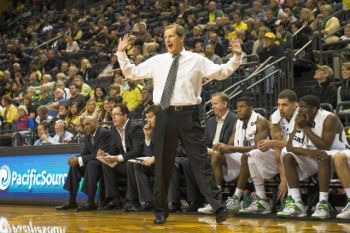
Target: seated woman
{"x":91,"y":109}
{"x":24,"y":124}
{"x":73,"y":117}
{"x":344,"y":90}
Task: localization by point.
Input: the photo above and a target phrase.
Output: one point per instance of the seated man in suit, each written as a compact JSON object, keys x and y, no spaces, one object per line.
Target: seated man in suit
{"x":127,"y":142}
{"x":139,"y":173}
{"x":218,"y":129}
{"x":86,"y":166}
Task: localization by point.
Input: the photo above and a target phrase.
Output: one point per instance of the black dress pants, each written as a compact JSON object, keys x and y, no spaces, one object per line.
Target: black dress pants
{"x":172,"y":124}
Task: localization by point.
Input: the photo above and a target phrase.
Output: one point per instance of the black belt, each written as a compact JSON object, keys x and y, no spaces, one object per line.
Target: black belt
{"x":183,"y":107}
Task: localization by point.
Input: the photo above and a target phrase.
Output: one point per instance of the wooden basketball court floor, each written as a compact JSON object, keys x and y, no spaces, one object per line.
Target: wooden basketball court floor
{"x":48,"y":220}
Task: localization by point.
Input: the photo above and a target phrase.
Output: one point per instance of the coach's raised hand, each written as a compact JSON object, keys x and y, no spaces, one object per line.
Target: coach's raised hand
{"x":124,"y":42}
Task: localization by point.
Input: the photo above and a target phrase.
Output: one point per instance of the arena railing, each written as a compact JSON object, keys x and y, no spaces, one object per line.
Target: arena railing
{"x":263,"y":85}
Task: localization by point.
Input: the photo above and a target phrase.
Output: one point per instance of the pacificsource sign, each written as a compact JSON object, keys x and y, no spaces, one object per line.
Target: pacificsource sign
{"x":33,"y":176}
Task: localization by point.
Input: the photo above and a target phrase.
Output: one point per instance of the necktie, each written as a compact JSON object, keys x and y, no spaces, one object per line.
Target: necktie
{"x":170,"y":83}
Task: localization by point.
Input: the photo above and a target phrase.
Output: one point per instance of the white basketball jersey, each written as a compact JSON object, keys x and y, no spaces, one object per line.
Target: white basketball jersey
{"x":286,"y":127}
{"x":301,"y":140}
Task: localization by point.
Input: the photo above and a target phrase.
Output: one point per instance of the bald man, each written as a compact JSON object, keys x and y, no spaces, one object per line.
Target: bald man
{"x":86,"y":165}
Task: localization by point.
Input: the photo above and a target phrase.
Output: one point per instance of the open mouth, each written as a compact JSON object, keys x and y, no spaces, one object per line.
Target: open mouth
{"x":170,"y":46}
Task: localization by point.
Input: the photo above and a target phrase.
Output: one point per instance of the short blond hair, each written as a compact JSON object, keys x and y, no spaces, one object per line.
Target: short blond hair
{"x":179,"y":30}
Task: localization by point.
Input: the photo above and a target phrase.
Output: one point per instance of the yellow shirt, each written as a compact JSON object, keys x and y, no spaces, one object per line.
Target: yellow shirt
{"x":240,"y":26}
{"x":9,"y":114}
{"x":346,"y":4}
{"x":132,"y":98}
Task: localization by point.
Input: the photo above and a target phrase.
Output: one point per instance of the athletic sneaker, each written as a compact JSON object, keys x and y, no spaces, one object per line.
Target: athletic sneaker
{"x":345,"y":213}
{"x":233,"y":204}
{"x":321,"y":211}
{"x":292,"y":209}
{"x":259,"y":206}
{"x":207,"y":209}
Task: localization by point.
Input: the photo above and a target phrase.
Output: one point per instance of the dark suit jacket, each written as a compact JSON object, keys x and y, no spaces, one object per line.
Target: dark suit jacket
{"x":134,"y":141}
{"x":102,"y":140}
{"x":226,"y":130}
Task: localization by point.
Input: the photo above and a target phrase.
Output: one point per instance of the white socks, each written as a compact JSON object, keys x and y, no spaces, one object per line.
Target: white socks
{"x":347,"y":191}
{"x":238,"y":193}
{"x":295,"y":193}
{"x":323,"y":196}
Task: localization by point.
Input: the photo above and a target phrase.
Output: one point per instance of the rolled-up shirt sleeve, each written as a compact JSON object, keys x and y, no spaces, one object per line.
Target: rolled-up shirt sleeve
{"x":131,"y":71}
{"x":220,"y":72}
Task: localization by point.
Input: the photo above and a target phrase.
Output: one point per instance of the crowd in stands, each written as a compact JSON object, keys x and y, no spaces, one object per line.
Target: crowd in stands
{"x":59,"y":63}
{"x":58,"y":66}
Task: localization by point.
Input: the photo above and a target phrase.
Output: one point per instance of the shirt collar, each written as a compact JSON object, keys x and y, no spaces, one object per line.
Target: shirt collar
{"x":94,"y":134}
{"x":223,"y":117}
{"x":124,"y":126}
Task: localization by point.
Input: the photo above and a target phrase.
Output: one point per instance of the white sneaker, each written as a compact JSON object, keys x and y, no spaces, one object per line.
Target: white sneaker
{"x":345,"y":213}
{"x":233,"y":204}
{"x":259,"y":206}
{"x":207,"y":209}
{"x":292,"y":209}
{"x":321,"y":211}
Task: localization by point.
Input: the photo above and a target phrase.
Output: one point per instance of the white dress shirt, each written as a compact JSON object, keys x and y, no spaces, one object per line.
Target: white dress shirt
{"x":192,"y":68}
{"x":80,"y":159}
{"x":219,"y":124}
{"x":122,"y":137}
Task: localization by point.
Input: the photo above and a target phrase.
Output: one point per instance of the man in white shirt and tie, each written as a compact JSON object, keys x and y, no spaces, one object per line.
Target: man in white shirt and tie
{"x":179,"y":117}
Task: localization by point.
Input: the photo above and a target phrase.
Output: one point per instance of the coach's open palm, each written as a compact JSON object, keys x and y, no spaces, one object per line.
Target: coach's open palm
{"x":124,"y":42}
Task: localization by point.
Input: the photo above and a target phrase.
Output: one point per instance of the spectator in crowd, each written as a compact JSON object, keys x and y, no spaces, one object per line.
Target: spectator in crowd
{"x":62,"y":136}
{"x":218,"y":46}
{"x":144,"y":36}
{"x":238,"y":23}
{"x":62,"y":112}
{"x":72,"y":116}
{"x":85,"y":89}
{"x":343,"y":93}
{"x":257,"y":11}
{"x":86,"y":165}
{"x":270,"y":19}
{"x":275,"y":8}
{"x":43,"y":134}
{"x":106,"y":112}
{"x":330,"y":27}
{"x":27,"y":102}
{"x":24,"y":124}
{"x":109,"y":69}
{"x":91,"y":109}
{"x":146,"y":102}
{"x":72,"y":45}
{"x":9,"y":113}
{"x":60,"y":84}
{"x":99,"y":96}
{"x":132,"y":97}
{"x":284,"y":37}
{"x":346,"y":35}
{"x":214,"y":12}
{"x":86,"y":71}
{"x":258,"y":44}
{"x":324,"y":89}
{"x":74,"y":91}
{"x":209,"y":53}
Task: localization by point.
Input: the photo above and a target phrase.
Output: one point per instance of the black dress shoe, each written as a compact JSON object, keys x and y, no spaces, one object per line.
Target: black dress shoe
{"x":147,"y":206}
{"x":67,"y":206}
{"x":174,"y":207}
{"x":115,"y":204}
{"x":160,"y":217}
{"x":130,"y":207}
{"x":89,"y":207}
{"x":221,"y":215}
{"x":193,"y":207}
